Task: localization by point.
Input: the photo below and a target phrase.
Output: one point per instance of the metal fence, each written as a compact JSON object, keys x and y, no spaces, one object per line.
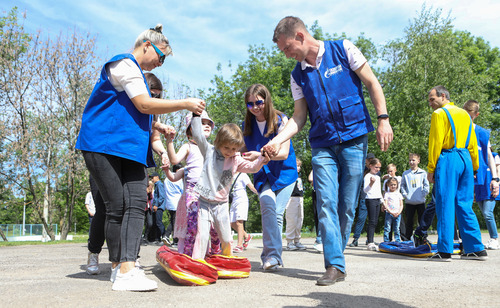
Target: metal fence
{"x":16,"y":232}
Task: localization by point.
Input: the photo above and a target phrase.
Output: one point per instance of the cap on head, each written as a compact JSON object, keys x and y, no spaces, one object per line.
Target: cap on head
{"x":204,"y":116}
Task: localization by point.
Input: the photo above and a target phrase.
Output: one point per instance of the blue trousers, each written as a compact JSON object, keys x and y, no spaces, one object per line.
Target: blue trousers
{"x":454,"y":187}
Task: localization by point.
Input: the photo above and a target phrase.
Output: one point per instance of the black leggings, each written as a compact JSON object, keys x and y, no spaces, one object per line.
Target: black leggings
{"x":410,"y":210}
{"x":373,"y":208}
{"x":122,"y":184}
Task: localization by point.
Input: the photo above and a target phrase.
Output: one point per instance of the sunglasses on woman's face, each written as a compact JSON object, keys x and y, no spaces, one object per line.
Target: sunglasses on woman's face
{"x":161,"y":55}
{"x":155,"y":95}
{"x":255,"y":104}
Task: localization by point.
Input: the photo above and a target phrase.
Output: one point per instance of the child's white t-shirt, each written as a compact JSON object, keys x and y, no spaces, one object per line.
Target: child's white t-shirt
{"x":393,"y":201}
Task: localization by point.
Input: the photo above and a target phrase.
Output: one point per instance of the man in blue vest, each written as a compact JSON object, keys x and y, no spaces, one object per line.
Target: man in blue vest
{"x":327,"y":83}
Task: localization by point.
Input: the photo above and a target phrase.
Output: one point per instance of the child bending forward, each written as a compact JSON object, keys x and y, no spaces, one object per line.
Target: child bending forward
{"x":221,"y":161}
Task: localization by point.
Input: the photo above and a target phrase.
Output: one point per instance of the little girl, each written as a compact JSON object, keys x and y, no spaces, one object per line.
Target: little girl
{"x":187,"y":211}
{"x":222,"y":161}
{"x":373,"y":191}
{"x":393,"y":204}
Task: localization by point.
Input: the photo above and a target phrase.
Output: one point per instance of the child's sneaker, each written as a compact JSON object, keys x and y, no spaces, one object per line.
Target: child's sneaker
{"x":134,"y":280}
{"x":291,"y":246}
{"x":300,"y":246}
{"x":318,"y":247}
{"x":237,"y":249}
{"x":93,"y":264}
{"x":246,"y":241}
{"x":372,"y":247}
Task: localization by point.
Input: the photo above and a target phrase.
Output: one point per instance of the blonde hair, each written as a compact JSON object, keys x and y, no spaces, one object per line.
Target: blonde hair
{"x":270,"y":113}
{"x":391,"y":166}
{"x":229,"y":133}
{"x":155,"y":36}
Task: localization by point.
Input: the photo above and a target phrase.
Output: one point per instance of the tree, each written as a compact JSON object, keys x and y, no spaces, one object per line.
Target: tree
{"x":45,"y":86}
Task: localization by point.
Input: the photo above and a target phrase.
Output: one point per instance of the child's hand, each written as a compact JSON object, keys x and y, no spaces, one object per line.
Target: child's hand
{"x":166,"y":166}
{"x":250,"y":156}
{"x":266,"y":158}
{"x":372,"y":180}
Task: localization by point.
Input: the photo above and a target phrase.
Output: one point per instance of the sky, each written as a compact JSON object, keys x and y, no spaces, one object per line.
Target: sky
{"x":205,"y":33}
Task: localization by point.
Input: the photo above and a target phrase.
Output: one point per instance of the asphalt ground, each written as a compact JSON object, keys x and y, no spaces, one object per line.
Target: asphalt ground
{"x":54,"y":276}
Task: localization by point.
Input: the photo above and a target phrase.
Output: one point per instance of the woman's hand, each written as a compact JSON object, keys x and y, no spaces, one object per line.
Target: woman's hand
{"x":251,"y":155}
{"x":195,"y":105}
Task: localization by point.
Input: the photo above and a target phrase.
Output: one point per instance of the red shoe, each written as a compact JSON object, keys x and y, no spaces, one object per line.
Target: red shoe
{"x":246,"y":241}
{"x":237,"y":249}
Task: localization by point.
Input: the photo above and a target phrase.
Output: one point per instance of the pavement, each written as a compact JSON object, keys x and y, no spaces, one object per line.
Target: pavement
{"x":54,"y":276}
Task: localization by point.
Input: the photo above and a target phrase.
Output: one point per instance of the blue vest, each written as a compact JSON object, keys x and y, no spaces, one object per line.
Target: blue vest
{"x":334,"y":96}
{"x":483,"y":176}
{"x":111,"y":124}
{"x":279,"y":173}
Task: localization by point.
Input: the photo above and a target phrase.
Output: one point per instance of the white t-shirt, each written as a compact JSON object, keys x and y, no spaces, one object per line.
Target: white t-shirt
{"x":374,"y":191}
{"x":89,"y":201}
{"x":262,"y":125}
{"x":126,"y":76}
{"x":173,"y":192}
{"x":354,"y":56}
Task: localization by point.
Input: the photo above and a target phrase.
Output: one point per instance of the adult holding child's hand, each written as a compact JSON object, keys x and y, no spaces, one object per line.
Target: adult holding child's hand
{"x":116,"y":141}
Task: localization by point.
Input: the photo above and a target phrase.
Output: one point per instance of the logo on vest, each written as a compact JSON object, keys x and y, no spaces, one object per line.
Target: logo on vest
{"x":332,"y":71}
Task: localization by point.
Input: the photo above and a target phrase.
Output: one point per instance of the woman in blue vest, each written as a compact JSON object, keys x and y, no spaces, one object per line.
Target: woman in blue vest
{"x":116,"y":141}
{"x":486,"y":179}
{"x":275,"y":181}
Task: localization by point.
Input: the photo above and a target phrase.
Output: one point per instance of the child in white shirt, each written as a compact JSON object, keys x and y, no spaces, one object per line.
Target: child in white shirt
{"x":393,"y":205}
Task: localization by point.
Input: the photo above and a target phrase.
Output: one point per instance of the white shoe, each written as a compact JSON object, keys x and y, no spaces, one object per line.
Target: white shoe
{"x":318,"y":247}
{"x":492,"y":244}
{"x":93,"y":264}
{"x":271,"y":264}
{"x":138,"y":264}
{"x":300,"y":246}
{"x":372,"y":247}
{"x":134,"y":280}
{"x":291,"y":246}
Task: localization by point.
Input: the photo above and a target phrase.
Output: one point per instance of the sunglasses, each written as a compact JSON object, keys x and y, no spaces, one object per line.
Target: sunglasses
{"x":253,"y":104}
{"x":155,"y":95}
{"x":158,"y":51}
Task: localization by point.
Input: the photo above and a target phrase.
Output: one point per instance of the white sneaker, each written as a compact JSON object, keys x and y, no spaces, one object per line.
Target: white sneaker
{"x":291,"y":246}
{"x":271,"y":264}
{"x":372,"y":247}
{"x":318,"y":247}
{"x":93,"y":264}
{"x":138,"y":264}
{"x":134,"y":280}
{"x":300,"y":246}
{"x":492,"y":244}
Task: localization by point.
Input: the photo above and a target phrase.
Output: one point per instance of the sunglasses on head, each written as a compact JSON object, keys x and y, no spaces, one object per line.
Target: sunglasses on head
{"x":257,"y":103}
{"x":158,"y":51}
{"x":155,"y":95}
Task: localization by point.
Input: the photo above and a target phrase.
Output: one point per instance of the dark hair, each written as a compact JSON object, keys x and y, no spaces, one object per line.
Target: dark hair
{"x":153,"y":81}
{"x":440,"y":90}
{"x":176,"y":167}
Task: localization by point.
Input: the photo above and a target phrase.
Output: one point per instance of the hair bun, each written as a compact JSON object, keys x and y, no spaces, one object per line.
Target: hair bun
{"x":158,"y":28}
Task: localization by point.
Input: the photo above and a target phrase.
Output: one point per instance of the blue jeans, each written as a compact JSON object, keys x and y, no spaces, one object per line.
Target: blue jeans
{"x":394,"y":222}
{"x":272,"y":207}
{"x":338,"y":172}
{"x":362,"y":214}
{"x":428,"y":216}
{"x":487,"y":207}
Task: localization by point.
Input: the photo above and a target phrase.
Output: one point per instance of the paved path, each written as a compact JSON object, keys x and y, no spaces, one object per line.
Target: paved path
{"x":54,"y":276}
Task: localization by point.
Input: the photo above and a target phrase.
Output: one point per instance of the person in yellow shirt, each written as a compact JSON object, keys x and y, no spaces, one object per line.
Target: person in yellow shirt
{"x":453,"y":157}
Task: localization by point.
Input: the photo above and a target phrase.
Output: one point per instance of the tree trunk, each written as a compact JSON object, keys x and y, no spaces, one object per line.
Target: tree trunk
{"x":3,"y":235}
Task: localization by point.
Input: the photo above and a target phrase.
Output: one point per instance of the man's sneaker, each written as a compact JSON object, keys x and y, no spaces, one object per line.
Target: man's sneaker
{"x":246,"y":241}
{"x":318,"y":247}
{"x":440,"y":256}
{"x":354,"y":243}
{"x":115,"y":270}
{"x":271,"y":264}
{"x":93,"y":264}
{"x":134,"y":280}
{"x":372,"y":247}
{"x":417,"y":240}
{"x":237,"y":249}
{"x":300,"y":246}
{"x":492,"y":244}
{"x":137,"y":263}
{"x":166,"y":240}
{"x":479,"y":255}
{"x":291,"y":246}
